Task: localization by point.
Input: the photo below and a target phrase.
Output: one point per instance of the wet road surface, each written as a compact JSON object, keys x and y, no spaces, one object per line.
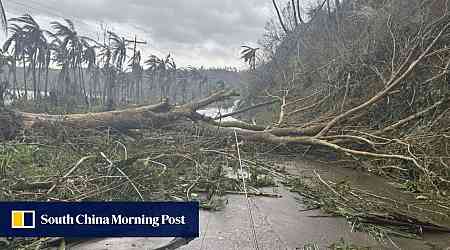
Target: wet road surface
{"x":278,"y":223}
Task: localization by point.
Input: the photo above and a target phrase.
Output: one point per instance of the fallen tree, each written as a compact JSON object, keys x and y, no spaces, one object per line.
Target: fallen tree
{"x":160,"y":115}
{"x":398,"y":145}
{"x":331,"y":131}
{"x":152,"y":116}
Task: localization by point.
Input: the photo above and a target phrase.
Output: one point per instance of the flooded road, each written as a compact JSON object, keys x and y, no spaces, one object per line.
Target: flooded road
{"x":278,"y":223}
{"x":283,"y":224}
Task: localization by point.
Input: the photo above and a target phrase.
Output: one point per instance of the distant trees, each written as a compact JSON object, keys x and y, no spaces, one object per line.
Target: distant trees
{"x":163,"y":71}
{"x":16,"y":44}
{"x":90,"y":72}
{"x":34,"y":43}
{"x":73,"y":48}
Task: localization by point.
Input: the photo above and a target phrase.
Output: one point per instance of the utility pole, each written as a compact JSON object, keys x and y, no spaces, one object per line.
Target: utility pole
{"x":136,"y":42}
{"x":138,"y":88}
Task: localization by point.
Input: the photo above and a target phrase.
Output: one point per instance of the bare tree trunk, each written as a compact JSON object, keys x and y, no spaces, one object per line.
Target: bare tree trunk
{"x":39,"y":80}
{"x":33,"y":65}
{"x":25,"y":77}
{"x":15,"y":88}
{"x":47,"y":69}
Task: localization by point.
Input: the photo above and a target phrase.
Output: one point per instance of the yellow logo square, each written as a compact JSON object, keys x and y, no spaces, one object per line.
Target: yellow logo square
{"x":22,"y":219}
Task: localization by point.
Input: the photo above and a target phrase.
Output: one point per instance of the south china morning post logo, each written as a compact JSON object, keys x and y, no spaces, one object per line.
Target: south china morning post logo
{"x":99,"y":219}
{"x":23,"y":219}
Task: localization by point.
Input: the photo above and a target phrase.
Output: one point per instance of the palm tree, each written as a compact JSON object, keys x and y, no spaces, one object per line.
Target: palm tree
{"x":197,"y":77}
{"x":152,"y":70}
{"x":119,"y":56}
{"x":119,"y":49}
{"x":183,"y":75}
{"x":171,"y":74}
{"x":137,"y":74}
{"x":109,"y":71}
{"x":35,"y":45}
{"x":59,"y":56}
{"x":157,"y":70}
{"x":18,"y":51}
{"x":72,"y":45}
{"x":249,"y":56}
{"x":90,"y":58}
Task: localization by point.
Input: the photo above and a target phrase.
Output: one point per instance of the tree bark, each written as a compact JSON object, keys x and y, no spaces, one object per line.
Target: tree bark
{"x":157,"y":115}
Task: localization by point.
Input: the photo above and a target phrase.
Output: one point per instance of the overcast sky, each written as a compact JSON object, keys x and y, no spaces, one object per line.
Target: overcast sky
{"x":195,"y":32}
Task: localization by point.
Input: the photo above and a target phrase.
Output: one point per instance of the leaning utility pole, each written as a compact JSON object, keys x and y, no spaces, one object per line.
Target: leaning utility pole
{"x":138,"y":86}
{"x":136,"y":42}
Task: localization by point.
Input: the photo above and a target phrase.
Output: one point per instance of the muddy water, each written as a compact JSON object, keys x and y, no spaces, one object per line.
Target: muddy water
{"x":282,"y":223}
{"x":279,"y":223}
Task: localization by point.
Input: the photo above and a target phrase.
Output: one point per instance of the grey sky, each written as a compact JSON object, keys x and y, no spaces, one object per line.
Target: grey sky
{"x":195,"y":32}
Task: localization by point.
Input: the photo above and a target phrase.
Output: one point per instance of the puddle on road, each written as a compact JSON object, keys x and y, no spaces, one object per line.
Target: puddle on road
{"x":278,"y":223}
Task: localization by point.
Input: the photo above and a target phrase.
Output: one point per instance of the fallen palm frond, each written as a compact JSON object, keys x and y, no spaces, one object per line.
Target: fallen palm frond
{"x":382,"y":217}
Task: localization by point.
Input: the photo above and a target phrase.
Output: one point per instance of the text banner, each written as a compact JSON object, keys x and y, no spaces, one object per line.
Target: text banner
{"x":99,"y":219}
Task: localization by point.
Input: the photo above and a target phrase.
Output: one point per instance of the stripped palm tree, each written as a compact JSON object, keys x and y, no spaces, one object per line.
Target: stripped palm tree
{"x":249,"y":56}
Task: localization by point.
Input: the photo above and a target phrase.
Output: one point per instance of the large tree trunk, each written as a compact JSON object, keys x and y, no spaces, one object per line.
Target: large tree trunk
{"x":157,"y":115}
